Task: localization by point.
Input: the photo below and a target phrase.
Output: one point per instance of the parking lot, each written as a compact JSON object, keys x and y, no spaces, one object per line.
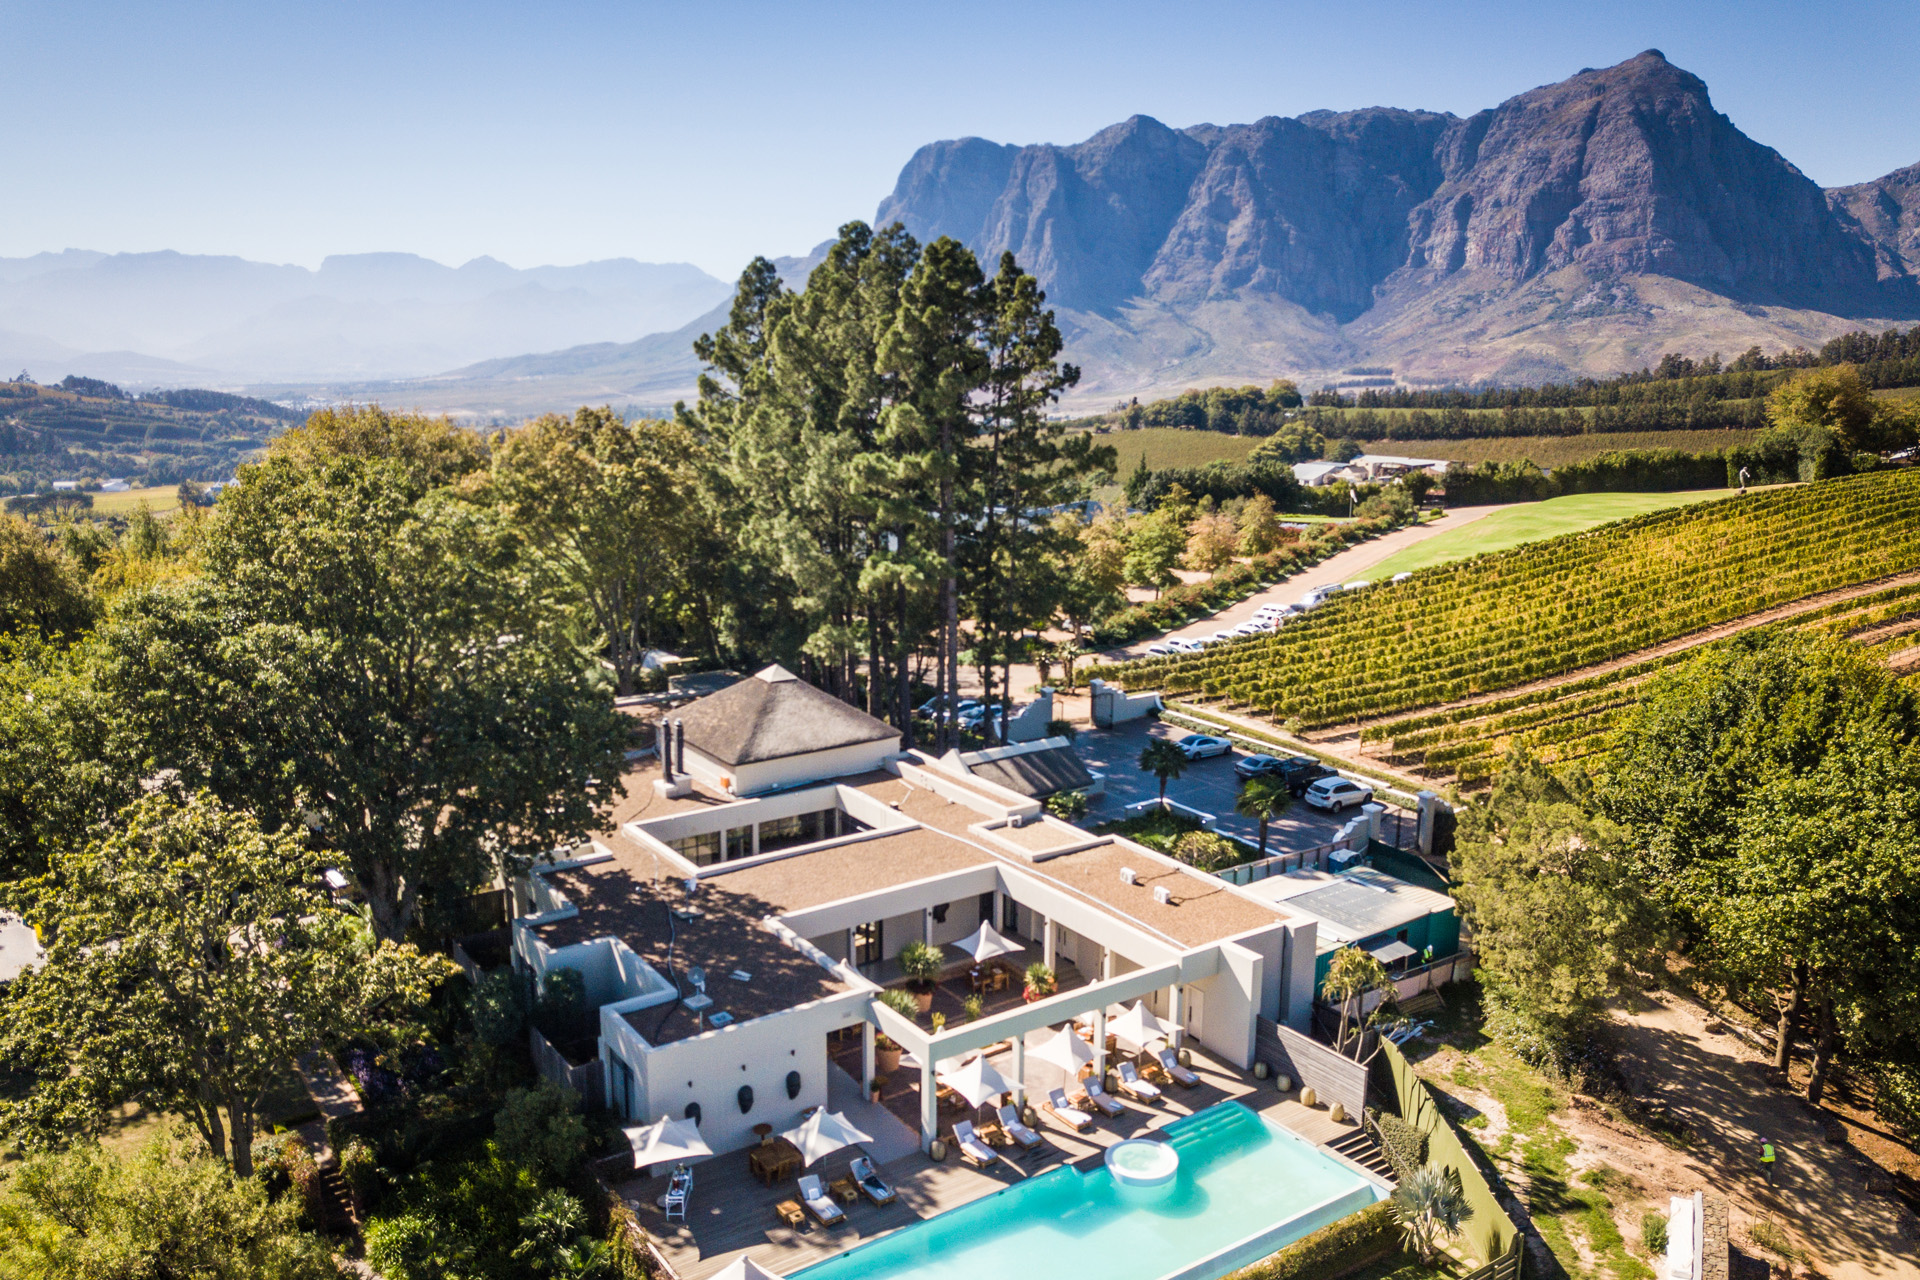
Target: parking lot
{"x":1207,"y":785}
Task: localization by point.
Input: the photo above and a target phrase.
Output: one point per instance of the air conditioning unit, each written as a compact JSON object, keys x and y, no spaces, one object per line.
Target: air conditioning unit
{"x":1163,"y":895}
{"x":1128,"y":877}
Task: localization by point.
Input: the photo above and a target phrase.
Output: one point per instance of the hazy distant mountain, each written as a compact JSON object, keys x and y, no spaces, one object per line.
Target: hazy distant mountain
{"x":1585,"y":226}
{"x":380,"y":315}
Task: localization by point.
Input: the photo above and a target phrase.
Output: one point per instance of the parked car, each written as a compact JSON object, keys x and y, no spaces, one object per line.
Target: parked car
{"x":931,"y":708}
{"x":976,"y":715}
{"x":1403,"y":575}
{"x":1198,"y":746}
{"x":1337,"y":795}
{"x":1358,"y":584}
{"x":1165,"y":649}
{"x":1301,"y":772}
{"x":1257,"y":766}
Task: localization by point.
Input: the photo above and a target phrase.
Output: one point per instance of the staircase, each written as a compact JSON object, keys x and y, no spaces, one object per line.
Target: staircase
{"x":1360,"y":1147}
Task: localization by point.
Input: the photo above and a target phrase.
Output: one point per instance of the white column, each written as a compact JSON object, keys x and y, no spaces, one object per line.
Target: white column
{"x":999,"y":909}
{"x":929,"y":1106}
{"x":1050,"y":944}
{"x":926,"y":925}
{"x":866,"y":1058}
{"x":850,"y":951}
{"x":756,"y":839}
{"x":1106,"y":963}
{"x":1100,"y":1045}
{"x":1176,"y":1012}
{"x":1020,"y":1070}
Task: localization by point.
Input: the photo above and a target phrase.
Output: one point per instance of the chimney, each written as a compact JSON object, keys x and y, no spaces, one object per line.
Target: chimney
{"x":663,"y":744}
{"x":679,"y":746}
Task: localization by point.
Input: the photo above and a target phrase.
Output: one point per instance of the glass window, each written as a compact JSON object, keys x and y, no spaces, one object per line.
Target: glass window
{"x":739,"y":843}
{"x":701,"y":850}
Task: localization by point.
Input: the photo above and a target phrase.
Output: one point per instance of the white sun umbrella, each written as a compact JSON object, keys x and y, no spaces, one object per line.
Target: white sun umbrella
{"x":667,"y":1140}
{"x":823,"y":1133}
{"x":1064,"y":1050}
{"x":1138,"y":1027}
{"x":985,"y":943}
{"x":1113,"y":1011}
{"x":744,"y":1268}
{"x":977,"y":1082}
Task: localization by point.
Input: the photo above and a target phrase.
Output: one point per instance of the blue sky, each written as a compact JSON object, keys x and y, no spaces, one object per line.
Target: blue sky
{"x":707,"y":132}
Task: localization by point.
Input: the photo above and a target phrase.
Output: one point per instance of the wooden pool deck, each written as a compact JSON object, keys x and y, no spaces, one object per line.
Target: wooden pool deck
{"x":730,"y":1213}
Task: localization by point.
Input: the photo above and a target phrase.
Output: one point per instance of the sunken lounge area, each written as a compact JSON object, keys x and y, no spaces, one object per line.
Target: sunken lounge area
{"x":731,"y":1212}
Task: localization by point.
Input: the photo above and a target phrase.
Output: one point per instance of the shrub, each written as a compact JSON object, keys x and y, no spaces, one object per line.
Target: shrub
{"x":483,"y":1217}
{"x":1067,"y":804}
{"x":1208,"y":851}
{"x":499,"y":1008}
{"x":900,"y":1002}
{"x":1404,"y":1146}
{"x":1896,"y":1097}
{"x":1347,"y":1245}
{"x":920,"y":964}
{"x":1653,"y":1231}
{"x":361,"y":1172}
{"x":543,"y":1129}
{"x":562,"y":1013}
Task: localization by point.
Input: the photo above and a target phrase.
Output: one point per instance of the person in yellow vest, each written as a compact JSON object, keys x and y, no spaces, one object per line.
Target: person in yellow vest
{"x":1766,"y":1159}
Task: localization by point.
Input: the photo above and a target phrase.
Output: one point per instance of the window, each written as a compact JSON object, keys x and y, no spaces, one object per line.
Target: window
{"x":866,"y":943}
{"x":739,"y":843}
{"x":622,"y":1087}
{"x":702,"y":850}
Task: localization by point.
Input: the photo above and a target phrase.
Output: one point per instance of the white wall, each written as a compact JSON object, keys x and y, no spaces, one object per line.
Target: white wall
{"x":710,"y":1068}
{"x":814,"y":766}
{"x":1230,"y":999}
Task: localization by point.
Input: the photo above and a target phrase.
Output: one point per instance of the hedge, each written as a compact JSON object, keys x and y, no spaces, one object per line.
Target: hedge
{"x":1404,"y":1146}
{"x":1335,"y":1250}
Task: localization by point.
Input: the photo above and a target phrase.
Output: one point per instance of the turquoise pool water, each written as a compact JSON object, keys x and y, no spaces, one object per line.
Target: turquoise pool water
{"x":1245,"y":1188}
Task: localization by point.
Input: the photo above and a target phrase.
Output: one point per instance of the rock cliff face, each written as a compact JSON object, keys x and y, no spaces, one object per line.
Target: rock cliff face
{"x":1618,"y":198}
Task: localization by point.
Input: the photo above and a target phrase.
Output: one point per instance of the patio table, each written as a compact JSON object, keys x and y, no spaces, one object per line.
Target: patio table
{"x":774,"y":1160}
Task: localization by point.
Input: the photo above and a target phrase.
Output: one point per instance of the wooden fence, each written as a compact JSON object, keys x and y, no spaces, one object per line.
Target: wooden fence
{"x":1334,"y":1076}
{"x":583,"y":1078}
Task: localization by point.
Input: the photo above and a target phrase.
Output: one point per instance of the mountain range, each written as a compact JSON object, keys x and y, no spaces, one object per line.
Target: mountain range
{"x":1584,"y":227}
{"x":168,"y":318}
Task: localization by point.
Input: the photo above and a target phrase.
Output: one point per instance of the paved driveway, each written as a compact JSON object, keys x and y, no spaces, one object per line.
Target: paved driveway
{"x":1208,"y":785}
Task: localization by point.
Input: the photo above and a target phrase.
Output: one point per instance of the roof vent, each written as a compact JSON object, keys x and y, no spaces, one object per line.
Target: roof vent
{"x":1163,"y":895}
{"x":1127,"y":876}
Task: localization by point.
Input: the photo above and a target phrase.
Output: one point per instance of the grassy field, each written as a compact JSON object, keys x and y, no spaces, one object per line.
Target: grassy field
{"x":1176,"y":447}
{"x":1531,"y":521}
{"x":159,"y":499}
{"x":1556,"y":451}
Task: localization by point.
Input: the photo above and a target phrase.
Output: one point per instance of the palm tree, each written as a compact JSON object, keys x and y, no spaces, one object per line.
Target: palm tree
{"x":1351,"y":974}
{"x":1164,"y":761}
{"x":1265,"y":799}
{"x":1428,"y":1204}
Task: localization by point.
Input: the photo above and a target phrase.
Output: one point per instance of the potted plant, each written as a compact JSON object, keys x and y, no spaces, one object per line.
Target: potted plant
{"x":879,"y":1082}
{"x":920,"y":964}
{"x":973,"y":1007}
{"x":1041,"y":982}
{"x":886,"y":1051}
{"x":939,"y":1023}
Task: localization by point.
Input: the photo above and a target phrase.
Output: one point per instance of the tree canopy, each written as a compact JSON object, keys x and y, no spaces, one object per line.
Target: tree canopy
{"x":192,"y":956}
{"x":364,"y":653}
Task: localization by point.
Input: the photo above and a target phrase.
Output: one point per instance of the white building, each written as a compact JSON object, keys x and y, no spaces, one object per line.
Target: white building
{"x":796,"y":857}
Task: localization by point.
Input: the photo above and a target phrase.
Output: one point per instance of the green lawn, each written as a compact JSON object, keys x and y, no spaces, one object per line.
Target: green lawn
{"x":1530,"y":522}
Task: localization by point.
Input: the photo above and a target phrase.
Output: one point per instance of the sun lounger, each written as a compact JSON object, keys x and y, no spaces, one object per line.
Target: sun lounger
{"x":1066,"y":1113}
{"x":971,"y":1148}
{"x":819,"y":1203}
{"x":1010,"y":1121}
{"x":1130,"y":1082}
{"x":871,"y":1184}
{"x":1171,"y":1065}
{"x":1100,"y":1098}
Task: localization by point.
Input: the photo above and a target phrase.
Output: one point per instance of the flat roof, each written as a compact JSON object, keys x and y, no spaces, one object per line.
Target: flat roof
{"x":1365,"y":902}
{"x":1036,"y":773}
{"x":1204,"y":909}
{"x":726,"y":935}
{"x":850,"y":870}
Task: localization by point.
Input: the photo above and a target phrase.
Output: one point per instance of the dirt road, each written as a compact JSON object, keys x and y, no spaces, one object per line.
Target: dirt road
{"x":1716,"y":1083}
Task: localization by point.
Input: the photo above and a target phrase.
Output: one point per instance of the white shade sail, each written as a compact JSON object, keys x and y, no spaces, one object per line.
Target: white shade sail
{"x":985,"y":943}
{"x":744,"y":1268}
{"x":823,"y":1133}
{"x":1064,"y":1050}
{"x":1113,"y":1011}
{"x":977,"y":1082}
{"x":667,"y":1140}
{"x":1138,"y":1027}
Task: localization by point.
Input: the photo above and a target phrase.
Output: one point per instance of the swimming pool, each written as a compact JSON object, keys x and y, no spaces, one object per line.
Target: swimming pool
{"x":1245,"y":1187}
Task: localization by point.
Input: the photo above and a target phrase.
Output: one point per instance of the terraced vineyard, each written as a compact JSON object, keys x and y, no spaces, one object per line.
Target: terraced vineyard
{"x":1501,"y":621}
{"x":1573,"y":720}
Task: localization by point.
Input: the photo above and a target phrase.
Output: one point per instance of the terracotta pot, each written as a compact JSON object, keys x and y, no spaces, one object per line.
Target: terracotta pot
{"x":924,"y":999}
{"x":888,"y":1060}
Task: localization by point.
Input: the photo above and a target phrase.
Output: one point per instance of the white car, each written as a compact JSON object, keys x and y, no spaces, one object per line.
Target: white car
{"x":1403,"y":575}
{"x":1198,"y":746}
{"x":1337,"y":794}
{"x":1358,"y":584}
{"x":1165,"y":649}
